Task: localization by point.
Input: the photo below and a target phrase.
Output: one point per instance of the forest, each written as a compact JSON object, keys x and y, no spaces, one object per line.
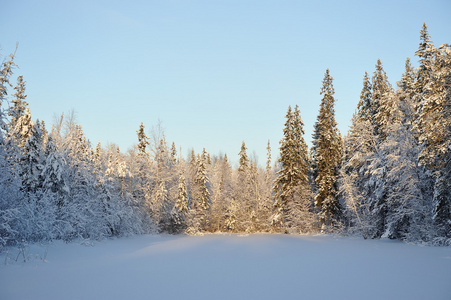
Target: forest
{"x":388,"y":177}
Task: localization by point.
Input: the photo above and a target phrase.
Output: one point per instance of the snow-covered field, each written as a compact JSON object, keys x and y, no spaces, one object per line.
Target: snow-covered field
{"x":229,"y":267}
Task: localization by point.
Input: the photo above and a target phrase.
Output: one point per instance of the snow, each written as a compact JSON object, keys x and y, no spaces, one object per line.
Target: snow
{"x":216,"y":266}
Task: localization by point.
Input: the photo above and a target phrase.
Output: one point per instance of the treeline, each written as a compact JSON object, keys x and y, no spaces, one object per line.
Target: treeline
{"x":390,"y":176}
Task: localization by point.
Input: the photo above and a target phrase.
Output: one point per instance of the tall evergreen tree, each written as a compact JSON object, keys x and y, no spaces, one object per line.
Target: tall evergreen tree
{"x":407,"y":82}
{"x":53,"y":174}
{"x":31,"y":162}
{"x":229,"y":207}
{"x":327,"y":151}
{"x":407,"y":209}
{"x":5,"y":73}
{"x":365,"y":107}
{"x":201,"y":202}
{"x":179,"y":213}
{"x":243,"y":190}
{"x":382,"y":89}
{"x":293,"y":174}
{"x":22,"y":129}
{"x":435,"y":117}
{"x":268,"y":161}
{"x":19,"y":103}
{"x":142,"y":139}
{"x":425,"y":55}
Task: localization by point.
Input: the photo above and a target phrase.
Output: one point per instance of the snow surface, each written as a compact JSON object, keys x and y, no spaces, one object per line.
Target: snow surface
{"x":229,"y":267}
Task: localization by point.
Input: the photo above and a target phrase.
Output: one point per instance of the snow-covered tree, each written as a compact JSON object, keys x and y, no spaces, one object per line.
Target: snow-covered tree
{"x":53,"y":174}
{"x":360,"y":146}
{"x":142,"y":139}
{"x":435,"y":118}
{"x":22,"y":128}
{"x":201,"y":202}
{"x":366,"y":108}
{"x":180,"y":211}
{"x":19,"y":103}
{"x":31,"y":161}
{"x":9,"y":180}
{"x":426,"y":56}
{"x":243,"y":191}
{"x":382,"y":89}
{"x":140,"y":184}
{"x":225,"y":206}
{"x":293,"y":174}
{"x":327,"y":153}
{"x":407,"y":82}
{"x":408,"y":210}
{"x":5,"y":73}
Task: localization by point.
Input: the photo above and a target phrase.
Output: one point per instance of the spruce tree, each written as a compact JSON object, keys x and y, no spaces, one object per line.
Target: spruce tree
{"x":425,"y":55}
{"x":243,"y":190}
{"x":327,"y":152}
{"x":141,"y":184}
{"x":435,"y":116}
{"x":293,"y":174}
{"x":5,"y":73}
{"x":407,"y":210}
{"x":382,"y":89}
{"x":53,"y":174}
{"x":201,"y":202}
{"x":31,"y":162}
{"x":142,"y":139}
{"x":173,"y":155}
{"x":365,"y":107}
{"x":180,"y":211}
{"x":22,"y":129}
{"x":407,"y":82}
{"x":268,"y":161}
{"x":19,"y":103}
{"x":228,"y":216}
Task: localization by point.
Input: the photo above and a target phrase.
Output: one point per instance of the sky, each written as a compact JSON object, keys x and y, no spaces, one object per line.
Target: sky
{"x":210,"y":74}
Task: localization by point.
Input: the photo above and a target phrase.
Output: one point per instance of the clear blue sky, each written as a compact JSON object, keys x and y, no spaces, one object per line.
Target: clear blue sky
{"x":214,"y":73}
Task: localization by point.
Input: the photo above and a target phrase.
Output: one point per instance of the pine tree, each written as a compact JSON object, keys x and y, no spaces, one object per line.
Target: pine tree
{"x":327,"y":151}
